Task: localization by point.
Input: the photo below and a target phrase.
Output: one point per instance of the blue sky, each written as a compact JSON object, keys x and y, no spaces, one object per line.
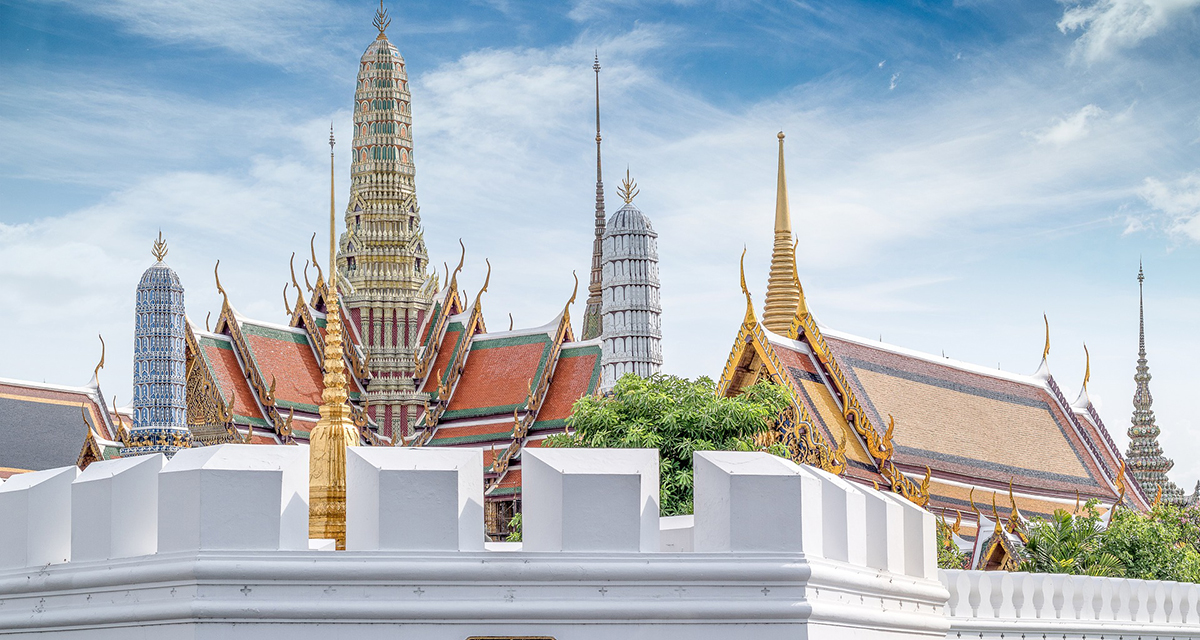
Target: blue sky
{"x":956,"y":168}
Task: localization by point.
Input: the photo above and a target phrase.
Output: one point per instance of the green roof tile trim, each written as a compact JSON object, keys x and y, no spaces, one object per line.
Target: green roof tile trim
{"x":505,"y":491}
{"x":320,"y":321}
{"x":219,"y":344}
{"x":543,"y":425}
{"x":257,"y":422}
{"x":438,"y":441}
{"x":433,"y":320}
{"x":298,"y":406}
{"x":206,"y":341}
{"x":250,"y":329}
{"x":513,"y":341}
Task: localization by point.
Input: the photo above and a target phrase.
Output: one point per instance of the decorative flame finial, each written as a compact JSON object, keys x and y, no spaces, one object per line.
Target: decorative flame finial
{"x":1046,"y":350}
{"x":381,"y":20}
{"x":1087,"y":370}
{"x":160,"y":248}
{"x":99,"y":365}
{"x":628,"y":189}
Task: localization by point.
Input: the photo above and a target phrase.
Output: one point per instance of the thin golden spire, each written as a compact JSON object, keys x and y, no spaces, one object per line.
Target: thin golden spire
{"x":335,"y":430}
{"x":783,"y":294}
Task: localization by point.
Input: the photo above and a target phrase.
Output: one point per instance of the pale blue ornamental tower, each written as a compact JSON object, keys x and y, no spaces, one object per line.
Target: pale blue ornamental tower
{"x":159,"y":363}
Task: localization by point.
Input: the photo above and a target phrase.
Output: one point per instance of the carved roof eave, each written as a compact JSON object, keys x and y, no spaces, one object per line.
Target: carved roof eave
{"x":451,"y":306}
{"x":751,"y":336}
{"x":195,"y":360}
{"x":264,"y":396}
{"x":447,"y":387}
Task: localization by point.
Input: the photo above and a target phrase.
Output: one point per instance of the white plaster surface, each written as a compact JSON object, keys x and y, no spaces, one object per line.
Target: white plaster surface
{"x":885,"y":525}
{"x":754,"y":501}
{"x":414,"y":499}
{"x":918,"y":526}
{"x":35,"y":518}
{"x":234,"y":496}
{"x":590,"y":499}
{"x":114,"y":508}
{"x":843,"y":518}
{"x":676,"y":533}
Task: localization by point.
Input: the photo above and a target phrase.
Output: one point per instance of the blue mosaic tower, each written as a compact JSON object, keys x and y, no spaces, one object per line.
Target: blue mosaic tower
{"x":159,"y":363}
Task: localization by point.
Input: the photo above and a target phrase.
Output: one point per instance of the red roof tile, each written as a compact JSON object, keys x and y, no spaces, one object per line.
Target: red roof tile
{"x":444,"y":354}
{"x":228,"y":374}
{"x":288,"y":357}
{"x":497,"y":376}
{"x":575,"y":376}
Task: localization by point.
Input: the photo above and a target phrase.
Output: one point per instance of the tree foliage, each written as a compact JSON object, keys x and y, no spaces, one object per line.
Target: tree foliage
{"x":1072,"y":544}
{"x":677,"y":416}
{"x":1161,"y":545}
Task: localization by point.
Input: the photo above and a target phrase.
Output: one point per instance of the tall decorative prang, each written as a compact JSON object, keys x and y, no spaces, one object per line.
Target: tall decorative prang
{"x":335,"y":429}
{"x":632,"y":310}
{"x":159,"y":362}
{"x":593,"y":315}
{"x":382,"y":252}
{"x":1145,"y":455}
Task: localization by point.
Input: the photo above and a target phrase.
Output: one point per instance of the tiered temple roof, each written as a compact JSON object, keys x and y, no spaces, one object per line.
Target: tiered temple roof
{"x":935,"y":430}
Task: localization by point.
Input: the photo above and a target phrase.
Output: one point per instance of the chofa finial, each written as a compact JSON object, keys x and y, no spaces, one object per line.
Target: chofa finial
{"x":381,"y":20}
{"x":1046,"y":350}
{"x":628,"y":189}
{"x":160,"y":248}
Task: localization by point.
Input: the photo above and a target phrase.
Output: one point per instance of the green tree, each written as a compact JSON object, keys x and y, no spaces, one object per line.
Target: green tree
{"x":677,"y":416}
{"x":1160,"y":545}
{"x":1070,"y":544}
{"x":949,"y":555}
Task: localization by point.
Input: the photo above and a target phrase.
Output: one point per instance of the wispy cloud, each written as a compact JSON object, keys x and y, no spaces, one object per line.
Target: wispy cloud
{"x":1179,"y":200}
{"x":293,"y":34}
{"x":1071,"y":128}
{"x":1108,"y":26}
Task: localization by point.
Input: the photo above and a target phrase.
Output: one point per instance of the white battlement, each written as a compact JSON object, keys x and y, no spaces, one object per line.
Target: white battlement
{"x":213,"y":544}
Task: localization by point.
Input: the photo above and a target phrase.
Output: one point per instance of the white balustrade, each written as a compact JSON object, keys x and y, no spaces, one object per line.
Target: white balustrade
{"x":114,"y":508}
{"x":35,"y":518}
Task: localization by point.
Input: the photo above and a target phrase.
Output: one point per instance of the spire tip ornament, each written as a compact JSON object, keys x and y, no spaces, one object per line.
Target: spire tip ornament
{"x":381,"y":20}
{"x":159,"y":251}
{"x":628,"y":189}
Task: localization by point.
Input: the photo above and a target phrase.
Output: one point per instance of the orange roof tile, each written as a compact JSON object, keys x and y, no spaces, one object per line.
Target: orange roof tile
{"x":497,"y":375}
{"x":223,"y":363}
{"x":576,"y":375}
{"x":445,"y":354}
{"x":288,"y":357}
{"x":451,"y":434}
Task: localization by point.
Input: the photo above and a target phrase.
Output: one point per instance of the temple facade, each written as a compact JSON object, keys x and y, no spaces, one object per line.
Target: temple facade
{"x":632,"y":311}
{"x":922,"y":425}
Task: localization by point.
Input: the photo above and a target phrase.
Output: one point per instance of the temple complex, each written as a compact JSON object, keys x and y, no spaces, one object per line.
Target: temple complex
{"x":632,"y":312}
{"x":923,"y":425}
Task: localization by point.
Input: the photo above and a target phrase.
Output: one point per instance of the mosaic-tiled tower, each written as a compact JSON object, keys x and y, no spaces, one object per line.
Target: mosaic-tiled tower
{"x":1145,"y":456}
{"x":593,"y":315}
{"x":159,"y":363}
{"x":632,"y":310}
{"x":382,"y":252}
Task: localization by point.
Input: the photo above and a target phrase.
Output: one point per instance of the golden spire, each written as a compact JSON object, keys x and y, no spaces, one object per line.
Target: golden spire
{"x":335,"y":429}
{"x":160,"y":248}
{"x":628,"y":189}
{"x":381,"y":21}
{"x":783,"y":296}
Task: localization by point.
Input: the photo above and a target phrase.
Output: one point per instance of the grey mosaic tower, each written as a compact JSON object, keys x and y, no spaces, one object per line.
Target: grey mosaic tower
{"x":631,"y":307}
{"x":1145,"y":456}
{"x":159,"y":363}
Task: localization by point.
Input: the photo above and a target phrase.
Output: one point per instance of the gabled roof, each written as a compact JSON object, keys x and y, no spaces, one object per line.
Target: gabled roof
{"x":577,"y":374}
{"x":42,"y":425}
{"x":223,"y":364}
{"x":284,"y":355}
{"x":970,"y":423}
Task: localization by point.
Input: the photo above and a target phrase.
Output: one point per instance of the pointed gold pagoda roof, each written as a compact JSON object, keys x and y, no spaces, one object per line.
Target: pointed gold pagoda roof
{"x":783,"y":293}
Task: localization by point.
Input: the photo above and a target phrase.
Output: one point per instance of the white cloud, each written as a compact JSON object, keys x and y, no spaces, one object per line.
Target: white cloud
{"x":1107,"y":26}
{"x":1072,"y":128}
{"x":1179,"y":200}
{"x":895,"y":80}
{"x":279,"y":32}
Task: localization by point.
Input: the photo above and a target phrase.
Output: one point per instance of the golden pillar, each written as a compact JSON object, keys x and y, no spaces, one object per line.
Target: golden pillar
{"x":335,"y":430}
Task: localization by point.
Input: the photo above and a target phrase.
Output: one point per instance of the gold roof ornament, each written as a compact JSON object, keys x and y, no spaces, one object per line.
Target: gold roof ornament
{"x":628,"y":189}
{"x":381,"y":21}
{"x":159,"y":251}
{"x":1087,"y":369}
{"x":1014,"y":516}
{"x":220,"y":289}
{"x":1046,"y":350}
{"x":335,"y":430}
{"x":746,"y":290}
{"x":486,"y":280}
{"x":99,"y":365}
